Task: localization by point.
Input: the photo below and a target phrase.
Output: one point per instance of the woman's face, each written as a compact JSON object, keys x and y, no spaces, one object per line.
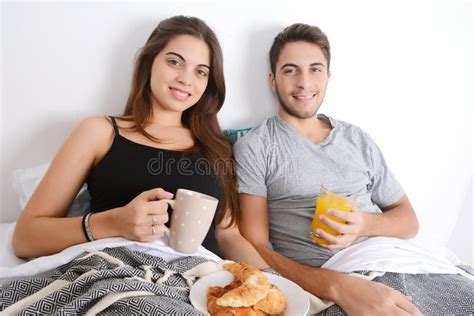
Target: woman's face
{"x":180,"y":73}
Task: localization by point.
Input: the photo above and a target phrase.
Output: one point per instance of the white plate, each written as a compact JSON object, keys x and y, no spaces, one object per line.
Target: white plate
{"x":298,"y":302}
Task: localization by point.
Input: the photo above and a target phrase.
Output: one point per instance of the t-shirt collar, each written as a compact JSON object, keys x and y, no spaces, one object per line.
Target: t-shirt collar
{"x":334,"y":124}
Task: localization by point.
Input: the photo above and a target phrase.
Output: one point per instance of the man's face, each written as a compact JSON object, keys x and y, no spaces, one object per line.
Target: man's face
{"x":300,"y":79}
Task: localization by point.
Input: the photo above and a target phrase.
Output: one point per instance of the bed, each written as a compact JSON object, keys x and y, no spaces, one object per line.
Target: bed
{"x":116,"y":275}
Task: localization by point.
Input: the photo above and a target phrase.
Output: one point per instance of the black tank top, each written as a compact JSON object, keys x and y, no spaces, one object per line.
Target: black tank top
{"x":129,"y":168}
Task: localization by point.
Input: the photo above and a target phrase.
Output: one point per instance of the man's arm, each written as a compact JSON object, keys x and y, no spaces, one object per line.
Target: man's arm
{"x":401,"y":213}
{"x":233,"y":246}
{"x":356,"y":296}
{"x":397,"y":220}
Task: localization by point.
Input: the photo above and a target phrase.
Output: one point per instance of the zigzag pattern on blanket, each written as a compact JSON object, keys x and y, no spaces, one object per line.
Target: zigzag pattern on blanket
{"x":76,"y":294}
{"x":433,"y":294}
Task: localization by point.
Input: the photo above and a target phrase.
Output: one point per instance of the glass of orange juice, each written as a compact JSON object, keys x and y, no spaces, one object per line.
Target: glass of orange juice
{"x":327,"y":199}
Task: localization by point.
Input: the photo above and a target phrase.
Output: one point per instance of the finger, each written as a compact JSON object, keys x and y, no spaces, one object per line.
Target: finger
{"x":404,"y":302}
{"x":156,"y":207}
{"x":162,"y":218}
{"x":156,"y":219}
{"x":326,"y":236}
{"x":330,"y":246}
{"x":344,"y":215}
{"x":399,"y":312}
{"x":338,"y":227}
{"x":153,"y":232}
{"x":156,"y":194}
{"x":340,"y":244}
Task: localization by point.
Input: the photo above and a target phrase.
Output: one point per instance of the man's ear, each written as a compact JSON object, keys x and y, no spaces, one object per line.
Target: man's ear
{"x":271,"y":78}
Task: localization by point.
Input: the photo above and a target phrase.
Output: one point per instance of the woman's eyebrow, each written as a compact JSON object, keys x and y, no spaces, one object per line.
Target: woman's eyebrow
{"x":177,"y":55}
{"x":182,"y":58}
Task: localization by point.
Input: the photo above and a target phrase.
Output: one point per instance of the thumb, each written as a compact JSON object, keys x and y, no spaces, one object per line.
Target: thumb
{"x":157,"y":194}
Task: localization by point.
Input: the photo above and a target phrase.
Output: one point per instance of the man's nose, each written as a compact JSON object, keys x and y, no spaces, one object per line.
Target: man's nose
{"x":304,"y":81}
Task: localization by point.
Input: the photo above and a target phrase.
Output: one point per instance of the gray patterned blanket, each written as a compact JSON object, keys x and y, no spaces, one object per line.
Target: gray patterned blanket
{"x":433,"y":294}
{"x":112,"y":281}
{"x":121,"y":281}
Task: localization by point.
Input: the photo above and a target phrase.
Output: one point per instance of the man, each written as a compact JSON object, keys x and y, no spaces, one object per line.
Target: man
{"x":282,"y":164}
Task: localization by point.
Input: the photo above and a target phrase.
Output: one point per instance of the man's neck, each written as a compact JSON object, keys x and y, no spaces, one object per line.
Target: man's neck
{"x":313,"y":129}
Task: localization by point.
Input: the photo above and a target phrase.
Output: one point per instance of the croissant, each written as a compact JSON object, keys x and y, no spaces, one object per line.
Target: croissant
{"x":214,"y":293}
{"x":254,"y":286}
{"x":249,"y":294}
{"x":273,"y":303}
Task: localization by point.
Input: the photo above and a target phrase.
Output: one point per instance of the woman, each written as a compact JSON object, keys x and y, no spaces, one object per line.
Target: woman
{"x":132,"y":162}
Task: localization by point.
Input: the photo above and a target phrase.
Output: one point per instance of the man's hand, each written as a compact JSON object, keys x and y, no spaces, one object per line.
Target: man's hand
{"x":362,"y":297}
{"x":396,"y":220}
{"x":348,"y":232}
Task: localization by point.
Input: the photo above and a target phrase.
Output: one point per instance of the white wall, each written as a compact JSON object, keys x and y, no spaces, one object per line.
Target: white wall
{"x":402,"y":71}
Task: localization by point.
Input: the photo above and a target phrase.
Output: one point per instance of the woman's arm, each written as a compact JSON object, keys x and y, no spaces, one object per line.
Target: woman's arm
{"x":43,"y":229}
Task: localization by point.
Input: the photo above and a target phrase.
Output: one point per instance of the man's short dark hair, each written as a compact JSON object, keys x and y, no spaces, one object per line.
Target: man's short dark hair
{"x":299,"y":32}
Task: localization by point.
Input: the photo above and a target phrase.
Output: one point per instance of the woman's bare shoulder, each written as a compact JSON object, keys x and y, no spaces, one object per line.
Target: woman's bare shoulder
{"x":95,"y":131}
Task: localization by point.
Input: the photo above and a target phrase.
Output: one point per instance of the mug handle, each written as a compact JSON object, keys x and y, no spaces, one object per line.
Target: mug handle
{"x":171,"y":203}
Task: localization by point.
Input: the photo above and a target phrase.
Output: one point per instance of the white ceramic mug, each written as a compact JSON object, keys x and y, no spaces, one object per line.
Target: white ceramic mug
{"x":192,"y":216}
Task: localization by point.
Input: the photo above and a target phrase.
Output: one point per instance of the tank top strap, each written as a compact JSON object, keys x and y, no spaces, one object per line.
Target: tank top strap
{"x":114,"y":124}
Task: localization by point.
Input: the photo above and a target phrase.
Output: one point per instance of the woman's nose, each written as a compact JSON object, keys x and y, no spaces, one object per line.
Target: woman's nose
{"x":184,"y":78}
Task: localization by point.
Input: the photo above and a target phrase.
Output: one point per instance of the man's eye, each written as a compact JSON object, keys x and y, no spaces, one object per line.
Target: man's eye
{"x":316,"y":70}
{"x":288,"y":71}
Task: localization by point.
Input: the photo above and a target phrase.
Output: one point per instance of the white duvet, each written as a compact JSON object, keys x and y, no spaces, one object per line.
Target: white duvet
{"x":373,"y":254}
{"x":13,"y":267}
{"x":387,"y":254}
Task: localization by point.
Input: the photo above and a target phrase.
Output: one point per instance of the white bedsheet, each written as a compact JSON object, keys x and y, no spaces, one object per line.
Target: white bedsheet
{"x":373,"y":254}
{"x":12,"y":267}
{"x":394,"y":255}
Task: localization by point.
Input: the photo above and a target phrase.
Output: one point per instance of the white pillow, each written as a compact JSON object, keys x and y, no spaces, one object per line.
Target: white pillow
{"x":26,"y":180}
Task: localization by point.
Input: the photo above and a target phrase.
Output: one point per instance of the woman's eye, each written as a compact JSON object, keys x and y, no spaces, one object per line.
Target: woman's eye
{"x":173,"y":62}
{"x":202,"y":73}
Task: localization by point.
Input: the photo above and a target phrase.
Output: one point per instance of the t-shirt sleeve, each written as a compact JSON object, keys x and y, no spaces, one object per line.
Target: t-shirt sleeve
{"x":386,"y":189}
{"x":251,"y":165}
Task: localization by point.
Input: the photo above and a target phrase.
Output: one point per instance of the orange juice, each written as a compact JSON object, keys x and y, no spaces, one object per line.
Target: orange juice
{"x":328,"y":200}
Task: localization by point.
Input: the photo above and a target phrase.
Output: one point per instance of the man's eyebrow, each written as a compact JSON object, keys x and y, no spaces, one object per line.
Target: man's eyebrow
{"x":296,"y":66}
{"x":288,"y":65}
{"x":318,"y":64}
{"x":182,"y":58}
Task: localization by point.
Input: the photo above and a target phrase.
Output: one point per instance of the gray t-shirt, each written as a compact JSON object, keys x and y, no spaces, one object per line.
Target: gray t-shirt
{"x":276,"y":162}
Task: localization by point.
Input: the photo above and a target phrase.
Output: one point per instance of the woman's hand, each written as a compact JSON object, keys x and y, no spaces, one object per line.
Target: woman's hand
{"x":348,"y":232}
{"x":144,"y":217}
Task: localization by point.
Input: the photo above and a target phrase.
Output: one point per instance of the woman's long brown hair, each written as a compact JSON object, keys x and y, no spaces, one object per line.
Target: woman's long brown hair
{"x":201,"y":118}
